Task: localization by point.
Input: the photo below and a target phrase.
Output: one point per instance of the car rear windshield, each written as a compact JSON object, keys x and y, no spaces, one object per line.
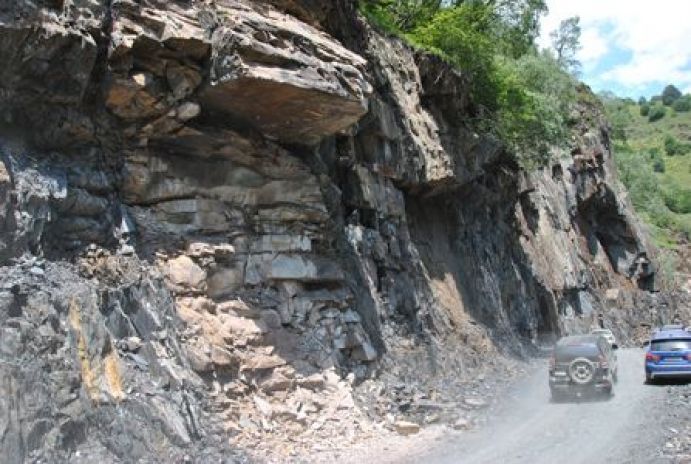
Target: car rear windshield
{"x":670,"y":345}
{"x":568,"y":352}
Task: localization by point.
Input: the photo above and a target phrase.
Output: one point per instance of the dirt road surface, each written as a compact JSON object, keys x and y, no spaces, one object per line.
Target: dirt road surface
{"x":528,"y":428}
{"x":525,"y":427}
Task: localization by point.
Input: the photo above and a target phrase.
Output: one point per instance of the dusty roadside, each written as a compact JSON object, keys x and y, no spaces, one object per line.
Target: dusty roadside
{"x":640,"y":424}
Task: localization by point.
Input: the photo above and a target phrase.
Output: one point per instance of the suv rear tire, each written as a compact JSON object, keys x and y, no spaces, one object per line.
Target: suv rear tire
{"x":581,"y":371}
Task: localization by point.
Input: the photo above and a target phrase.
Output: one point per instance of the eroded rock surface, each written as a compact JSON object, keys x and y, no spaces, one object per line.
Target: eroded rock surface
{"x":218,"y":221}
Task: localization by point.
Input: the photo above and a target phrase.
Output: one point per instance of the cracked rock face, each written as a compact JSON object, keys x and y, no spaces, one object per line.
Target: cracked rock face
{"x":216,"y":219}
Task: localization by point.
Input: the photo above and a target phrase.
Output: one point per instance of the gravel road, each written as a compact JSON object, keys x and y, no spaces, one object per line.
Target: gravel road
{"x":526,"y":427}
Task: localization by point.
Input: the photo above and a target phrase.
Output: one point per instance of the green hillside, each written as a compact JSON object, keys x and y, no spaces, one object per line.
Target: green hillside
{"x":653,"y":155}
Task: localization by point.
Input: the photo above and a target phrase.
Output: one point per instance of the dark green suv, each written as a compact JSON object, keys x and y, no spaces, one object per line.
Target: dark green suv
{"x":582,"y":365}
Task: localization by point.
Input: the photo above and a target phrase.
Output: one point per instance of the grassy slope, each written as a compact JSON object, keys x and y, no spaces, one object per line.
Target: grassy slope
{"x":644,"y":136}
{"x":636,"y":158}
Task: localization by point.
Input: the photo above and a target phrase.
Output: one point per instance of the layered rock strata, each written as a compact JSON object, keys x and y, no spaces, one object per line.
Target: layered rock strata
{"x":217,"y":217}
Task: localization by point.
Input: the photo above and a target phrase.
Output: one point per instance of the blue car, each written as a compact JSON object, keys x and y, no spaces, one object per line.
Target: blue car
{"x":669,"y":354}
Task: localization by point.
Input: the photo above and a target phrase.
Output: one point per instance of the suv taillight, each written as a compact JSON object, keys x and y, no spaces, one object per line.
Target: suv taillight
{"x":603,"y":362}
{"x":552,"y":363}
{"x":652,"y":357}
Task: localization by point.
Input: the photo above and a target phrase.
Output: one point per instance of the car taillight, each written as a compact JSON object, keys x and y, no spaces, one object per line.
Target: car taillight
{"x":603,"y":362}
{"x":652,"y":357}
{"x":552,"y":363}
{"x":688,"y":356}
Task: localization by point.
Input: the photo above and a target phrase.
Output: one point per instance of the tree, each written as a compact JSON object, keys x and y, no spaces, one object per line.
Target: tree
{"x":520,"y":23}
{"x":675,"y":147}
{"x":566,"y":42}
{"x":402,"y":15}
{"x":642,"y":101}
{"x":682,"y":105}
{"x":670,"y":95}
{"x":656,"y":113}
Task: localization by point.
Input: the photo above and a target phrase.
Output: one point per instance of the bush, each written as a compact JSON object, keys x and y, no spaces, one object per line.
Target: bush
{"x":645,"y":109}
{"x":670,"y":94}
{"x":520,"y":94}
{"x":674,"y":147}
{"x":535,"y":97}
{"x":399,"y":16}
{"x":678,"y":200}
{"x":619,"y":117}
{"x":656,"y":113}
{"x":657,"y":161}
{"x":460,"y":35}
{"x":682,"y":105}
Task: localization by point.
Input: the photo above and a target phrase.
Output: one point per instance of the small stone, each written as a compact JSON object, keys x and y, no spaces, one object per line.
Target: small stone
{"x":406,"y":428}
{"x":131,"y":344}
{"x":222,"y":358}
{"x":461,"y":424}
{"x":276,"y":382}
{"x":263,"y":406}
{"x":365,"y":352}
{"x":271,"y":318}
{"x":143,"y":79}
{"x":185,"y":274}
{"x":350,"y":317}
{"x":37,"y":271}
{"x":199,"y":249}
{"x":238,"y":308}
{"x":475,"y":402}
{"x":188,"y":110}
{"x":126,"y":250}
{"x":262,"y":362}
{"x":313,"y":382}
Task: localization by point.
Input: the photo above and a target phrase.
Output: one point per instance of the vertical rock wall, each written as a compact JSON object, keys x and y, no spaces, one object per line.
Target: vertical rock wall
{"x":211,"y":212}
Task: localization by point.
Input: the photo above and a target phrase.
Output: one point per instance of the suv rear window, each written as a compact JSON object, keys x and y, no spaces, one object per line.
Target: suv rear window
{"x":565,"y":353}
{"x":670,"y":345}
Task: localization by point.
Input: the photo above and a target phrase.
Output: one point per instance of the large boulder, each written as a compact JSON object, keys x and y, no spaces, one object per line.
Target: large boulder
{"x":282,"y":76}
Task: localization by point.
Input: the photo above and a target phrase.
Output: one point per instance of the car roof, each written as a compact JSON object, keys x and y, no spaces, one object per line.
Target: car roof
{"x":667,"y":334}
{"x":578,"y":340}
{"x":672,"y":327}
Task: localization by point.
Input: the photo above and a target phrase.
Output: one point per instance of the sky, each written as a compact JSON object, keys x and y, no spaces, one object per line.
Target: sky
{"x":633,"y":48}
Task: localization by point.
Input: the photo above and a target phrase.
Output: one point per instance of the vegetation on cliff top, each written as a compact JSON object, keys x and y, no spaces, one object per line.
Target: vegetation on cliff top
{"x":523,"y":94}
{"x":653,"y":155}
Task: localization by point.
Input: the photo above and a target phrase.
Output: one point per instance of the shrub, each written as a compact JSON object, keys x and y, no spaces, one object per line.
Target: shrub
{"x":682,"y":105}
{"x":399,"y":16}
{"x":678,"y":200}
{"x":674,"y":147}
{"x":520,"y":94}
{"x":657,"y":161}
{"x":460,"y":35}
{"x":670,"y":94}
{"x":645,"y":109}
{"x":656,"y":113}
{"x":535,"y":98}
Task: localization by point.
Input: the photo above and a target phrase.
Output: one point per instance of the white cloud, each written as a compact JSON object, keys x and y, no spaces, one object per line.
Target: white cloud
{"x":594,"y":46}
{"x":657,"y":34}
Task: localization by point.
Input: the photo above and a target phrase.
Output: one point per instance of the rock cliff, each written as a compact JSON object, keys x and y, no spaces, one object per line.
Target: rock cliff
{"x":216,"y":217}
